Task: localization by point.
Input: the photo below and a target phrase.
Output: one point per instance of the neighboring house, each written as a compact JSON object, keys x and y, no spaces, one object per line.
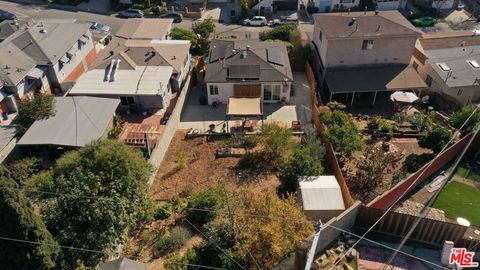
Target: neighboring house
{"x":145,"y":29}
{"x":320,"y":197}
{"x":77,"y":122}
{"x":19,"y":76}
{"x":330,"y":5}
{"x":449,"y":62}
{"x":61,"y":50}
{"x":383,"y":5}
{"x":9,"y":27}
{"x":123,"y":264}
{"x":142,"y":73}
{"x":364,"y":52}
{"x":276,"y":5}
{"x":247,"y":68}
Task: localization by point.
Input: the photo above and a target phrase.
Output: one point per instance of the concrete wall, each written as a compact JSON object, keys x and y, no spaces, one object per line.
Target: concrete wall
{"x":388,"y":198}
{"x":163,"y":142}
{"x":7,"y":149}
{"x":266,"y":4}
{"x":321,"y":214}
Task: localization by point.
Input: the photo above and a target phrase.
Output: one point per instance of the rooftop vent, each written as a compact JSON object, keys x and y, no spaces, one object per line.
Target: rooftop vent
{"x":352,"y":22}
{"x":248,"y":47}
{"x":43,"y":31}
{"x":244,"y":54}
{"x":376,"y":12}
{"x":443,"y":67}
{"x":473,"y":63}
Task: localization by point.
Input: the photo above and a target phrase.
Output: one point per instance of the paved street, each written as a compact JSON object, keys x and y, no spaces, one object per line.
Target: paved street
{"x":24,"y":11}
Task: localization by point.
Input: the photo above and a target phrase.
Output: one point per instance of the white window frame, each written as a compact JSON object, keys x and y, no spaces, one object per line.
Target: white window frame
{"x":213,"y":90}
{"x":272,"y":89}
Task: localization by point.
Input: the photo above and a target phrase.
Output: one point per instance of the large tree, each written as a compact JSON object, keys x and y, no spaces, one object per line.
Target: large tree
{"x":42,"y":106}
{"x":18,"y":221}
{"x":113,"y":173}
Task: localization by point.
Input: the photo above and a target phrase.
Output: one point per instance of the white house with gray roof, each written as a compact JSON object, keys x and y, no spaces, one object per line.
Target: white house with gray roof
{"x":449,"y":62}
{"x":246,"y":68}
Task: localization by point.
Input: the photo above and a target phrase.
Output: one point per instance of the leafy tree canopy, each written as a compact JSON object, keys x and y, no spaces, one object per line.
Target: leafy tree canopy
{"x":42,"y":106}
{"x":106,"y":169}
{"x":204,"y":28}
{"x":178,"y":33}
{"x":342,"y":132}
{"x":461,"y":117}
{"x":276,"y":142}
{"x":17,"y":220}
{"x":435,"y":138}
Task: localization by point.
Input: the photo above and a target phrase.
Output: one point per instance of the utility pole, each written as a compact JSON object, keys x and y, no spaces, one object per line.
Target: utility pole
{"x":311,"y":252}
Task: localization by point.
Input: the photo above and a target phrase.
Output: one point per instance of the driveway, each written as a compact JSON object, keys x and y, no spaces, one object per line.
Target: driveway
{"x":200,"y":117}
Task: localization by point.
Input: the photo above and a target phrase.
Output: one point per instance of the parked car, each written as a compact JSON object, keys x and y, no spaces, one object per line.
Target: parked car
{"x":256,"y":20}
{"x":424,"y":21}
{"x":177,"y":17}
{"x":283,"y":21}
{"x":131,"y":13}
{"x":5,"y":15}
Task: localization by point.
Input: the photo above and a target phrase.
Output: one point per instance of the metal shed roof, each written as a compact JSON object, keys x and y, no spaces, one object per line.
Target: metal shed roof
{"x":78,"y":121}
{"x":320,"y":193}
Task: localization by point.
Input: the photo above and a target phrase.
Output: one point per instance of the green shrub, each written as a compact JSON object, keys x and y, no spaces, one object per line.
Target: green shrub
{"x":138,"y":252}
{"x":414,"y":162}
{"x":434,"y":138}
{"x":281,"y":32}
{"x":461,"y":117}
{"x":138,"y":6}
{"x":342,"y":133}
{"x":163,"y":211}
{"x":211,"y":200}
{"x":172,"y":240}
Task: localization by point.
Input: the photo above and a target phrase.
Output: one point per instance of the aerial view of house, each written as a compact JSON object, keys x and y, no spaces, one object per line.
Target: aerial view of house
{"x":273,"y":134}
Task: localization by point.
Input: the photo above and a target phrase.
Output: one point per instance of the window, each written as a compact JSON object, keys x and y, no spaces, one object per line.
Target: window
{"x":213,"y":90}
{"x":459,"y":92}
{"x":429,"y":80}
{"x":271,"y":92}
{"x":367,"y":44}
{"x":415,"y":65}
{"x":320,"y":36}
{"x":346,"y":1}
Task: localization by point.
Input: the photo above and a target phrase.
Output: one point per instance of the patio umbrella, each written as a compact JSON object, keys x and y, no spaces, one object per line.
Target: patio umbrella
{"x":405,"y":97}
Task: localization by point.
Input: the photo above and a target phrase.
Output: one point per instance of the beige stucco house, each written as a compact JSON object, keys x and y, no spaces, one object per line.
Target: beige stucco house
{"x":449,"y":63}
{"x":364,"y":52}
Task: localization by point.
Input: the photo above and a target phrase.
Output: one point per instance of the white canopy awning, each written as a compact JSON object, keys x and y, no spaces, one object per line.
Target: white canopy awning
{"x":244,"y":106}
{"x":405,"y":97}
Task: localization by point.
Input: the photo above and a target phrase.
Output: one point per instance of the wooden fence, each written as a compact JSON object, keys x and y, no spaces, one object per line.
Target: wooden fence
{"x":433,"y":232}
{"x":321,"y":129}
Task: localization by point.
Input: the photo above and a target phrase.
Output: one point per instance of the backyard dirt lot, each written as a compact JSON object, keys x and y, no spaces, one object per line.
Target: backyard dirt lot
{"x":202,"y":170}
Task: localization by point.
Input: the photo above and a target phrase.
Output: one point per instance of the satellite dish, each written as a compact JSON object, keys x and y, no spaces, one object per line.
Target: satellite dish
{"x":463,"y":222}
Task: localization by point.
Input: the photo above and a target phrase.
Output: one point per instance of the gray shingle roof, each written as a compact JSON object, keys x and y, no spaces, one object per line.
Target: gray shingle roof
{"x":14,"y":64}
{"x":7,"y":133}
{"x":218,"y":70}
{"x":78,"y":121}
{"x":9,"y":27}
{"x":385,"y":23}
{"x":48,"y":41}
{"x":123,"y":264}
{"x":461,"y":72}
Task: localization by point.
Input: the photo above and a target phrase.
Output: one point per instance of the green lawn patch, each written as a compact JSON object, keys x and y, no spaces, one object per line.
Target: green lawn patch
{"x":460,"y":200}
{"x":468,"y":173}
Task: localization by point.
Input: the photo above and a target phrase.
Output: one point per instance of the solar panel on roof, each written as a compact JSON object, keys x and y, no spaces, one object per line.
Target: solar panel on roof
{"x":247,"y":72}
{"x":275,"y":56}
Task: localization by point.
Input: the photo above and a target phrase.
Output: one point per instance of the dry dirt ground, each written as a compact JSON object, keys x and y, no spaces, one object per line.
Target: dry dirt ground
{"x":190,"y":166}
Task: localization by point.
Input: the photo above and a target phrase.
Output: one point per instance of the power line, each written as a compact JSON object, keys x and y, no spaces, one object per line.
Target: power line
{"x":403,"y":194}
{"x":209,"y":240}
{"x":52,"y":245}
{"x":200,"y":266}
{"x":426,"y":208}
